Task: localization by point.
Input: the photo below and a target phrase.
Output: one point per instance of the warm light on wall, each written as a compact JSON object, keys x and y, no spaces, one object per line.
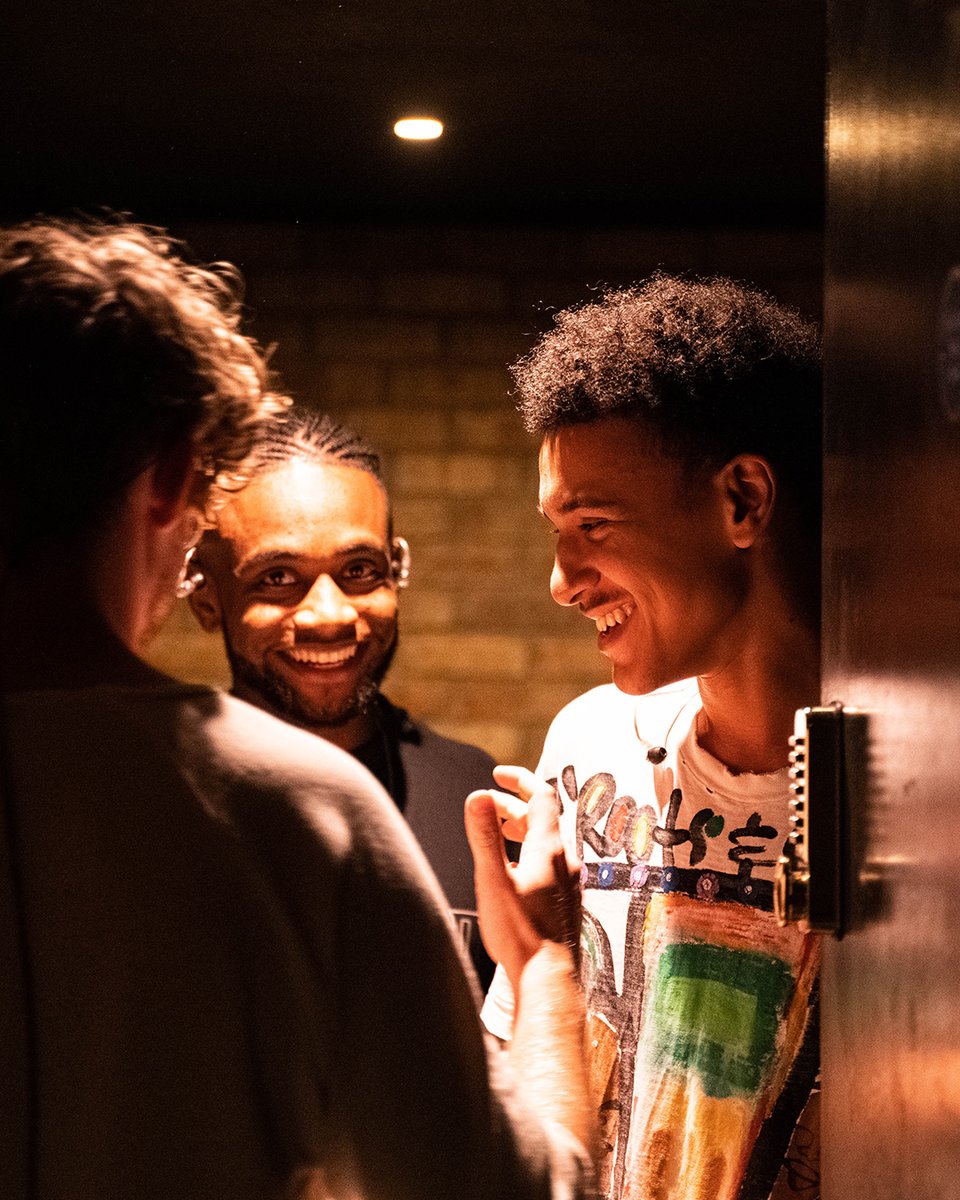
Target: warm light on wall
{"x":418,"y":129}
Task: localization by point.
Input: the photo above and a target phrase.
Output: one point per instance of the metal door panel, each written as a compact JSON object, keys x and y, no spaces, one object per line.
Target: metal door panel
{"x":891,"y":988}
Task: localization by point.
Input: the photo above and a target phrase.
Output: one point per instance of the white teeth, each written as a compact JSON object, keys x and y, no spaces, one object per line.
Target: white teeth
{"x":322,"y":658}
{"x":616,"y":616}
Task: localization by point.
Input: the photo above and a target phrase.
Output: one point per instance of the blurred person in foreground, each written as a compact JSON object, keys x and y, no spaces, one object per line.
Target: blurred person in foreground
{"x":680,"y":474}
{"x":227,"y":968}
{"x":302,"y":578}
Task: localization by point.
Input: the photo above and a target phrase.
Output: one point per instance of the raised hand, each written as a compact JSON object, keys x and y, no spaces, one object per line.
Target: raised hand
{"x":524,"y":905}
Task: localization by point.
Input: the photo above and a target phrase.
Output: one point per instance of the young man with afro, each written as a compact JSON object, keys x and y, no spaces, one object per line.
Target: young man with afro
{"x":680,"y":476}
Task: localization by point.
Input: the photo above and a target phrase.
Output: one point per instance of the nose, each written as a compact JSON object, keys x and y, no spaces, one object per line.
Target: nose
{"x":324,"y":604}
{"x":570,"y":576}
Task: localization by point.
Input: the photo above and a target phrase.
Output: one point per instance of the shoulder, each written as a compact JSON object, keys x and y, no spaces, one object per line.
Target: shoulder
{"x":250,"y":745}
{"x":278,"y":786}
{"x":266,"y":781}
{"x":286,"y":777}
{"x":418,"y":740}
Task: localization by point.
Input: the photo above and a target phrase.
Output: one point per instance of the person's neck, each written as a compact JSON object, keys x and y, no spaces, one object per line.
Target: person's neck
{"x":55,"y":636}
{"x":748,"y":704}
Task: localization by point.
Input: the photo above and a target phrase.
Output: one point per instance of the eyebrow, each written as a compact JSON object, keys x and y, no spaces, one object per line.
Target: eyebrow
{"x":577,"y":502}
{"x":279,"y":556}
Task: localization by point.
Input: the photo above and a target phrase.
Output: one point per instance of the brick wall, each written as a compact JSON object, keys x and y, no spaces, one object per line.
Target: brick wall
{"x":405,"y":334}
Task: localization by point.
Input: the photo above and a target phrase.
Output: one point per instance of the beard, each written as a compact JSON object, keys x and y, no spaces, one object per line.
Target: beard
{"x":277,"y":696}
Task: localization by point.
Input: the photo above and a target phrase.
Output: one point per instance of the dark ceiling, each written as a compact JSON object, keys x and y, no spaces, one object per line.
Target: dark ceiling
{"x":583,"y":112}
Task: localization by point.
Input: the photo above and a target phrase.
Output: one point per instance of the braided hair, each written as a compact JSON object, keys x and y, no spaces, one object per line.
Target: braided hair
{"x":301,"y":433}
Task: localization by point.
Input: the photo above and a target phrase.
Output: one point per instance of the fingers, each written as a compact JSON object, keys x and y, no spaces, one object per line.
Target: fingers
{"x":510,"y":808}
{"x":517,"y":779}
{"x":483,"y":831}
{"x":538,"y":801}
{"x":541,"y":809}
{"x":512,"y":813}
{"x":525,"y":783}
{"x":507,"y":933}
{"x":536,"y":797}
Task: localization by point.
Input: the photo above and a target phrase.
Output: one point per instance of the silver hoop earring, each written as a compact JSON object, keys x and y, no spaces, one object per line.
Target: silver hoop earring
{"x":188,"y":581}
{"x":400,"y":561}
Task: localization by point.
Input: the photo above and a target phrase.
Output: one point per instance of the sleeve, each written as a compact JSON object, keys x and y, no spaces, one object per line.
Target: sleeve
{"x":499,"y":1007}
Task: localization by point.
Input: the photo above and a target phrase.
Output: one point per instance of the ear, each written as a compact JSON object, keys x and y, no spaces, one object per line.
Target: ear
{"x":204,"y":601}
{"x":749,"y":488}
{"x":172,"y":479}
{"x":400,"y":561}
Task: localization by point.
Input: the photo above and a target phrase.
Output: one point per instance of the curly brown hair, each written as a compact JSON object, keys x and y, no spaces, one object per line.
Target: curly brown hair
{"x":113,"y":346}
{"x":692,"y":357}
{"x":711,"y":370}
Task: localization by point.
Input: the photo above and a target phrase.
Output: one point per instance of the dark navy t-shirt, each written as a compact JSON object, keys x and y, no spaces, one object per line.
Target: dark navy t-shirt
{"x":429,"y":777}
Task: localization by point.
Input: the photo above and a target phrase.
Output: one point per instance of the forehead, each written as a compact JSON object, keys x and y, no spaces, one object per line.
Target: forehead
{"x":306,"y":507}
{"x":612,"y":461}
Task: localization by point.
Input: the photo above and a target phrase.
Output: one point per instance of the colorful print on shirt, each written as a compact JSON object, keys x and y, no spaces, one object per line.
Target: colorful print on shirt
{"x":703,"y":1053}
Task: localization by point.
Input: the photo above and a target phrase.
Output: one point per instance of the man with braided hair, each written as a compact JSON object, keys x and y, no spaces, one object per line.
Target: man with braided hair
{"x":302,"y":576}
{"x":227,"y":968}
{"x":680,"y":474}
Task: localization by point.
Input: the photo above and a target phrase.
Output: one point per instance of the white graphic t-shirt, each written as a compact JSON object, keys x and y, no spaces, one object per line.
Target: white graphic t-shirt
{"x":703,"y":1054}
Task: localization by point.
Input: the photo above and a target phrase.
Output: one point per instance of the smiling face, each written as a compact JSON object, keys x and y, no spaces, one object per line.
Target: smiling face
{"x":300,"y":581}
{"x":645,"y":549}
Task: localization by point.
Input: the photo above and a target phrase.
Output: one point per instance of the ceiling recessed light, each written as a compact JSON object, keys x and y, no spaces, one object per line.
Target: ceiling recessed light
{"x":418,"y":129}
